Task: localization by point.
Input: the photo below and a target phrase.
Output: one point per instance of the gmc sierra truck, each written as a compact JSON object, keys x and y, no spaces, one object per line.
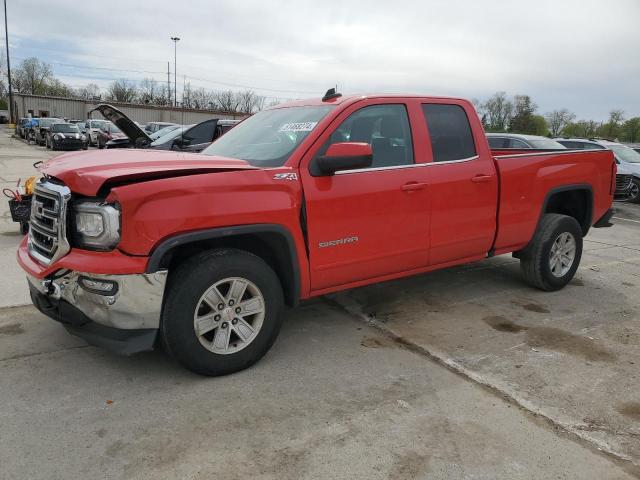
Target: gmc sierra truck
{"x":200,"y":253}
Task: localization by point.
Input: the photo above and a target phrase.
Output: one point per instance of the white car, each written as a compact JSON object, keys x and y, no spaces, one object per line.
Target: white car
{"x":91,"y":128}
{"x":628,"y":160}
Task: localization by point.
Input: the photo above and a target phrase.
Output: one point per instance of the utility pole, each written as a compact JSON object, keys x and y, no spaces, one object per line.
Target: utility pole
{"x":6,"y":39}
{"x":168,"y":85}
{"x":175,"y":70}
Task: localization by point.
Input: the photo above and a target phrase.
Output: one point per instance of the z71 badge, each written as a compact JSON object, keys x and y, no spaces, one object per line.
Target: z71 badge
{"x":285,"y":176}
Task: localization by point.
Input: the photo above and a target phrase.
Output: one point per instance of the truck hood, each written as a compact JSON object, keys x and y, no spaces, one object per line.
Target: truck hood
{"x":87,"y":172}
{"x":138,"y":137}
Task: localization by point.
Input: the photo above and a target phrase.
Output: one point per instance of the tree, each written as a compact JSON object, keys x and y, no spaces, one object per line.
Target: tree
{"x":523,"y":110}
{"x":32,"y":77}
{"x":581,"y":128}
{"x":202,"y":98}
{"x":89,"y":91}
{"x":148,"y":91}
{"x":539,"y":126}
{"x":122,"y":91}
{"x":226,"y":101}
{"x":557,"y":120}
{"x":613,"y":128}
{"x":631,"y":130}
{"x":249,"y":101}
{"x":499,"y":111}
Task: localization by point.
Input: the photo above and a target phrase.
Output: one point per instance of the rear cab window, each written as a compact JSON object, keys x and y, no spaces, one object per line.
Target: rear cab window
{"x":450,"y":132}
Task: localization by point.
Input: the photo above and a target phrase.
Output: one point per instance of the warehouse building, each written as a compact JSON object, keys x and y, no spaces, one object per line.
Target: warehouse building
{"x":78,"y":109}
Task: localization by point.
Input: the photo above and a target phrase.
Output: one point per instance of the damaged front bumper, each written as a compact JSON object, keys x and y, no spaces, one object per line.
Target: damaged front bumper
{"x":120,"y":313}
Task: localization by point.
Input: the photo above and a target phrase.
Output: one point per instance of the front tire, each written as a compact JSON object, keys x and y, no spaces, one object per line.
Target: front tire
{"x":634,"y":192}
{"x":222,"y":313}
{"x":551,"y":259}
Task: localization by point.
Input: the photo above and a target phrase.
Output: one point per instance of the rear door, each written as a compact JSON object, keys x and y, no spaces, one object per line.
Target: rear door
{"x":374,"y":221}
{"x":463,"y":183}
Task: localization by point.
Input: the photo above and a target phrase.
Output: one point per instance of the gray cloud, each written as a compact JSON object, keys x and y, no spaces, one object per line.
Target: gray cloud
{"x":578,"y":54}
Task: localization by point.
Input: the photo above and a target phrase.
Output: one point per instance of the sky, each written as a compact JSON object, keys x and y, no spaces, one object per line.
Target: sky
{"x":583,"y":55}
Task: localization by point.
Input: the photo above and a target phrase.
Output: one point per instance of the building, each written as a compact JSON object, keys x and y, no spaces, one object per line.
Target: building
{"x":78,"y":109}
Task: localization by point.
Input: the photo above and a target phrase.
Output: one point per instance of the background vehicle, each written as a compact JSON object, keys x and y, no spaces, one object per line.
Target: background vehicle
{"x":193,"y":138}
{"x":500,"y":141}
{"x":30,"y":130}
{"x":164,"y":131}
{"x":43,"y":127}
{"x":91,"y":129}
{"x":153,"y":127}
{"x":107,"y":133}
{"x":20,"y":127}
{"x":65,"y":136}
{"x":628,"y":160}
{"x":202,"y":252}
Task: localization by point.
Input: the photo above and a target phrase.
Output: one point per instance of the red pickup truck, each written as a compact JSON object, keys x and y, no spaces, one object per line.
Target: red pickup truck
{"x":200,"y":253}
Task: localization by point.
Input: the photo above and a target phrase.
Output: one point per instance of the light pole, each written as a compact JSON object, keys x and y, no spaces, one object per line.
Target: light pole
{"x":175,"y":69}
{"x":6,"y":38}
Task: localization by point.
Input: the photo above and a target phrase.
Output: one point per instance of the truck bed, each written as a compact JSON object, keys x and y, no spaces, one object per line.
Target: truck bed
{"x":528,"y":179}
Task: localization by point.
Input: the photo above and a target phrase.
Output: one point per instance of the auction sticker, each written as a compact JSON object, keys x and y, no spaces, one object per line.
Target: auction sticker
{"x":298,"y":127}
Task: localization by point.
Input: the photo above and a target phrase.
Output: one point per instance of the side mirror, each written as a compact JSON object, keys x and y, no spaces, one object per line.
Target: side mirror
{"x":343,"y":156}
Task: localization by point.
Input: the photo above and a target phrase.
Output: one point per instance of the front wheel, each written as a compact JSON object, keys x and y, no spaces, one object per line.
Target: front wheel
{"x":634,"y":191}
{"x":222,"y":313}
{"x":552,"y":258}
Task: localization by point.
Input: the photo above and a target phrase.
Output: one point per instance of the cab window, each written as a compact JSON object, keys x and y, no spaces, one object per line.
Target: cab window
{"x":385,"y":128}
{"x":450,"y":132}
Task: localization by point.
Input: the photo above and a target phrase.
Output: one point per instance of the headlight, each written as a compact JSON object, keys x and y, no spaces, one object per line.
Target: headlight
{"x":57,"y":136}
{"x":83,"y":137}
{"x":97,"y":225}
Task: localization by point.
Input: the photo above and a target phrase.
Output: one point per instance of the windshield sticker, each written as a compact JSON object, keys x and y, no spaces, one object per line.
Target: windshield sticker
{"x":298,"y":127}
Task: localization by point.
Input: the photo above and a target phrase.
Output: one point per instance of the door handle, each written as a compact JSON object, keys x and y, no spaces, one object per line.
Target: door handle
{"x":413,"y":186}
{"x":481,"y":178}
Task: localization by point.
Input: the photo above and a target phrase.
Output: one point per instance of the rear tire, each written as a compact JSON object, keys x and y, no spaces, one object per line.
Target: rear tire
{"x":202,"y":294}
{"x":551,"y":259}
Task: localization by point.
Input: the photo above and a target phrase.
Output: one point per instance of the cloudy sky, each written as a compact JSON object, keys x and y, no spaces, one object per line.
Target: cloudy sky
{"x":580,"y":54}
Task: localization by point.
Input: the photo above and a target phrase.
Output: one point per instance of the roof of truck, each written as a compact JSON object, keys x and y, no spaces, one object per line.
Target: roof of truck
{"x":316,"y":101}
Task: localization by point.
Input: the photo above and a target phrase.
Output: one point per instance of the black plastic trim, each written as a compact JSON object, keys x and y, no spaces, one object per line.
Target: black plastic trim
{"x":169,"y":244}
{"x":117,"y":340}
{"x":605,"y":220}
{"x":569,"y":188}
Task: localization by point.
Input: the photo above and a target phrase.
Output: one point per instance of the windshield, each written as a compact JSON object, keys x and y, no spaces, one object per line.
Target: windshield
{"x":545,"y":143}
{"x":267,"y":138}
{"x":626,"y":154}
{"x":172,"y":135}
{"x":46,"y":122}
{"x":163,"y":131}
{"x":65,"y":128}
{"x":96,"y":124}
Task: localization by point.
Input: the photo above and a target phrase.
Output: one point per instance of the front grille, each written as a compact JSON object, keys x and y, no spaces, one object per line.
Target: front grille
{"x":48,"y":228}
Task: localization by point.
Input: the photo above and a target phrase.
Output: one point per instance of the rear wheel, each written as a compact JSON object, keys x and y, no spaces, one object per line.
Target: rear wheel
{"x":552,"y":258}
{"x":222,"y":313}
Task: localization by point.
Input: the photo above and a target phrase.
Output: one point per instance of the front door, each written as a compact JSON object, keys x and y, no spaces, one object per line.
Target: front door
{"x":370,"y":222}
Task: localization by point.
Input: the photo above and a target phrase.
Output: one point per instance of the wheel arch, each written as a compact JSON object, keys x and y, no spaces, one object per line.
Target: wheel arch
{"x":573,"y":200}
{"x":273,"y":243}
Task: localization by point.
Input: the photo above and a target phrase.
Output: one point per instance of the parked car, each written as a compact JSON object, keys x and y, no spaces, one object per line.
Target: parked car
{"x":192,"y":138}
{"x":635,"y":146}
{"x":20,"y":127}
{"x":200,"y":252}
{"x":628,"y":160}
{"x":65,"y":136}
{"x":505,"y":141}
{"x":153,"y":127}
{"x":107,"y":133}
{"x":30,"y":130}
{"x":164,"y":131}
{"x":43,"y":127}
{"x":91,"y":129}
